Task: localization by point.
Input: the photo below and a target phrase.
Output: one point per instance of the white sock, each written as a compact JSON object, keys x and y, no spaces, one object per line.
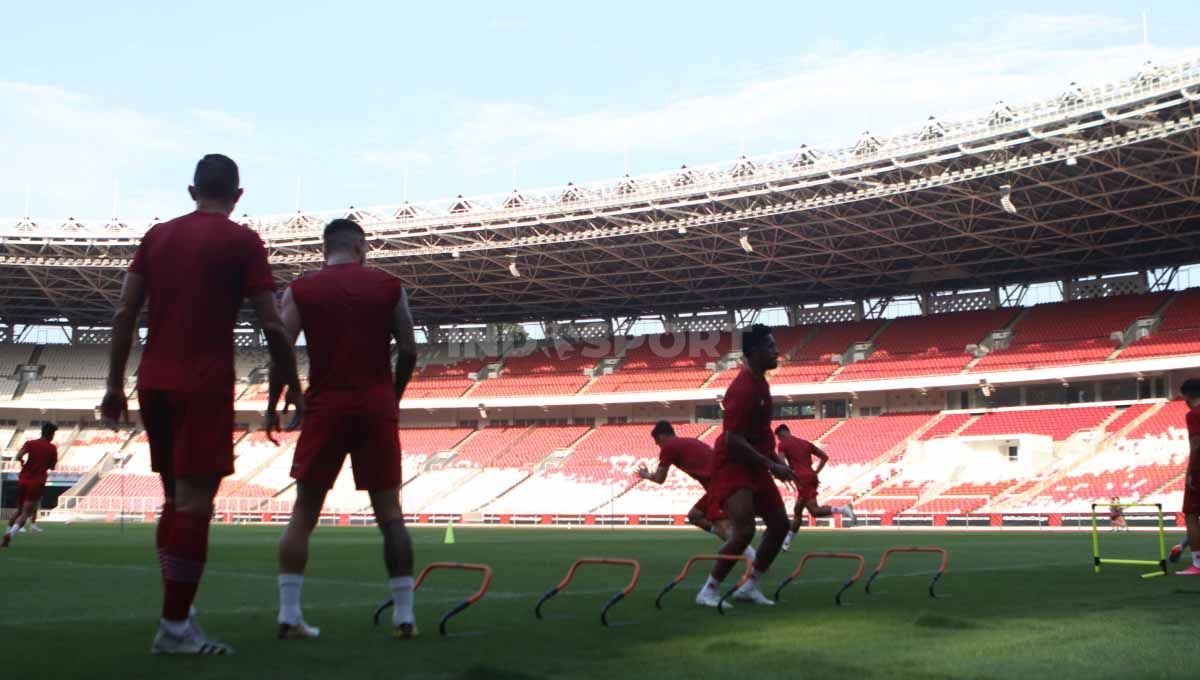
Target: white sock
{"x":1196,"y":559}
{"x":289,"y":598}
{"x":789,"y":537}
{"x":11,"y":530}
{"x":402,"y":599}
{"x":176,"y":628}
{"x":711,"y":583}
{"x":752,"y":582}
{"x":750,"y":553}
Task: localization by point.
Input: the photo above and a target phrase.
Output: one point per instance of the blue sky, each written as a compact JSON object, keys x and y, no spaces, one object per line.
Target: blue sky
{"x":104,"y":99}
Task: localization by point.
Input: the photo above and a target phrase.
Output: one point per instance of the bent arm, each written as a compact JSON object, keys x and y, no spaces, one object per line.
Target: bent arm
{"x":406,"y":344}
{"x":822,"y":456}
{"x":133,"y":296}
{"x":658,"y":476}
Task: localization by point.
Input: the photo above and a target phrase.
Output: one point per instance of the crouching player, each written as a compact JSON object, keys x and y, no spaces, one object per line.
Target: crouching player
{"x":695,"y":459}
{"x":798,"y":453}
{"x":349,"y":314}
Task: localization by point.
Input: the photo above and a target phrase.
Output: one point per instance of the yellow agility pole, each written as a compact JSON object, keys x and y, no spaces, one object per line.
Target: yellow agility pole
{"x":1161,"y":563}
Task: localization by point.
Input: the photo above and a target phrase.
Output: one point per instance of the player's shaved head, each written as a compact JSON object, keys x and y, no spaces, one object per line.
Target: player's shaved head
{"x":344,"y":236}
{"x":662,"y":428}
{"x":1190,"y":388}
{"x":782,"y":430}
{"x":216,"y":178}
{"x":758,"y":346}
{"x":48,"y":430}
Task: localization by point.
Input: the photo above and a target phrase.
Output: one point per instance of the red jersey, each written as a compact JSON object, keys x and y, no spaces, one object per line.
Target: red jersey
{"x":197,"y":268}
{"x":799,"y":454}
{"x":347,"y":313}
{"x":43,"y":455}
{"x":692,"y":456}
{"x":748,"y":410}
{"x":1193,"y":422}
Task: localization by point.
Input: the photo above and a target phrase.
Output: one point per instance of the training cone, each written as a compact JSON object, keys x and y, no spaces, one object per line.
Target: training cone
{"x":449,"y":534}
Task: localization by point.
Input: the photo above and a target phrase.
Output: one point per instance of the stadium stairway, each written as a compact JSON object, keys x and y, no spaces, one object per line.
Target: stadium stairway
{"x":1008,"y":499}
{"x":872,"y":338}
{"x":1012,"y":323}
{"x":1128,"y":338}
{"x":889,"y":457}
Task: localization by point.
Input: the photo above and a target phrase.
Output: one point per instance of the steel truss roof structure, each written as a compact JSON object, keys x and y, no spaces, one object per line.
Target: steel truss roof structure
{"x":1096,"y":181}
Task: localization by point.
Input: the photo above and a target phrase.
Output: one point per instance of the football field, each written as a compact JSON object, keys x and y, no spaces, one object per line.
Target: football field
{"x":82,"y":601}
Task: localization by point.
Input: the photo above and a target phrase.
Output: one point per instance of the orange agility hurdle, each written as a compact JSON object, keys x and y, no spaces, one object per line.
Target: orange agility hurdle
{"x":862,"y":564}
{"x":707,"y":558}
{"x":912,"y":549}
{"x":487,"y":580}
{"x":637,"y":572}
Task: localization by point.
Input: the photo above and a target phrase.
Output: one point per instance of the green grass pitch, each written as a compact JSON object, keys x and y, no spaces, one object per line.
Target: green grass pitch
{"x":82,"y":601}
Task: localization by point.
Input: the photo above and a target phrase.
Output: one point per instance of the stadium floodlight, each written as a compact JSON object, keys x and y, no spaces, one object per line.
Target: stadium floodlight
{"x":455,"y":254}
{"x":512,"y":267}
{"x":985,"y":387}
{"x":1006,"y":199}
{"x":744,"y":240}
{"x":1072,"y":161}
{"x":682,"y":230}
{"x":482,"y":412}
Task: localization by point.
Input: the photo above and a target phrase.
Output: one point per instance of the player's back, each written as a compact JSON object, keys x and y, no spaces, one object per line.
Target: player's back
{"x":347,"y":313}
{"x":197,"y":270}
{"x":41,"y":457}
{"x":695,"y":458}
{"x":799,"y":453}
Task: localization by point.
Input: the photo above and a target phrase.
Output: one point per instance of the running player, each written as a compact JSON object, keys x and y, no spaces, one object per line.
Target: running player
{"x":38,"y":457}
{"x":1191,"y":490}
{"x":742,"y":483}
{"x":1116,"y":515}
{"x":349,"y":314}
{"x":798,"y":453}
{"x":695,"y":459}
{"x":194,"y":271}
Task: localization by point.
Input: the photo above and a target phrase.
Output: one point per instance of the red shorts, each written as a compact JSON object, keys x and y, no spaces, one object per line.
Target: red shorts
{"x":1191,"y":501}
{"x":189,"y":434}
{"x":730,"y":477}
{"x":371,"y":439}
{"x":705,"y":504}
{"x":29,"y":491}
{"x":807,"y":484}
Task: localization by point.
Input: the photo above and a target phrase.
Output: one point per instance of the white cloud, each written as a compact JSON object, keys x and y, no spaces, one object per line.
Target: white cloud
{"x":224,"y":121}
{"x":822,"y":99}
{"x":395,"y":159}
{"x":69,"y":150}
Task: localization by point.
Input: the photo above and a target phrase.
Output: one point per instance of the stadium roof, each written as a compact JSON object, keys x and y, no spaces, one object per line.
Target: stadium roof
{"x":1095,"y":181}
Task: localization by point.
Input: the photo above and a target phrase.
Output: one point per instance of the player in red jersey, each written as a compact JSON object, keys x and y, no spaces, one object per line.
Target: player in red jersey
{"x":798,"y":453}
{"x":194,"y":271}
{"x":349,"y":314}
{"x":695,"y":459}
{"x":1116,"y":515}
{"x":742,"y":481}
{"x":1191,"y":490}
{"x":38,"y":457}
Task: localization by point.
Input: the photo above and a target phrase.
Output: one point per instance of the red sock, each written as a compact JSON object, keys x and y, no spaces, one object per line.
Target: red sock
{"x":162,"y":532}
{"x":183,"y":563}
